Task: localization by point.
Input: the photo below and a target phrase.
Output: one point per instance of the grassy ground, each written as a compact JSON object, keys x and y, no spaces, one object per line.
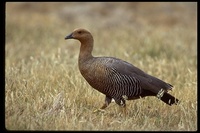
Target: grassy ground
{"x":45,"y":91}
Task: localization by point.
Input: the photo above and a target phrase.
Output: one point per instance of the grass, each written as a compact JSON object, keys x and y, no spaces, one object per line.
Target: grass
{"x":44,"y":89}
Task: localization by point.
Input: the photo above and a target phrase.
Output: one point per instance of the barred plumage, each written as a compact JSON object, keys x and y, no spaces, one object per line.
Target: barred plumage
{"x":117,"y":79}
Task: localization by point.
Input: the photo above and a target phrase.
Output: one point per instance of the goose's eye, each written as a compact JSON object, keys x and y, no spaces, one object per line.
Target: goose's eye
{"x":79,"y":32}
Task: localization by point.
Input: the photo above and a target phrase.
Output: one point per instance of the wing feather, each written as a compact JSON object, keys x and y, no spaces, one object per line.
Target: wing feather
{"x":146,"y":81}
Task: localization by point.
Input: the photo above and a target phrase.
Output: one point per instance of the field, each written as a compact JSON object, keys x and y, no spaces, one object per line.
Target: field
{"x":44,"y":89}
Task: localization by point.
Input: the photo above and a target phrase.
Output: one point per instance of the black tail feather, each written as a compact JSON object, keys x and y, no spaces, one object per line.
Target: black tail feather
{"x":169,"y":99}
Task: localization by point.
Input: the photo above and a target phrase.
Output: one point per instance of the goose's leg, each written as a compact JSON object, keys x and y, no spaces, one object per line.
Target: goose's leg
{"x":107,"y":102}
{"x":122,"y":103}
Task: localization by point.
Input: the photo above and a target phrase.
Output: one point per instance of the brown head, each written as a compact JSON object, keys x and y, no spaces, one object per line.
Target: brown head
{"x":80,"y":34}
{"x":86,"y":40}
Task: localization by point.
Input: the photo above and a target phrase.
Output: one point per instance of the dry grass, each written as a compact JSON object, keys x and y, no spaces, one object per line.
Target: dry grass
{"x":45,"y":91}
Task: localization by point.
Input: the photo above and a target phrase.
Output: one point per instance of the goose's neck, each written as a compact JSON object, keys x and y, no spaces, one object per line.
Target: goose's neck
{"x":86,"y":50}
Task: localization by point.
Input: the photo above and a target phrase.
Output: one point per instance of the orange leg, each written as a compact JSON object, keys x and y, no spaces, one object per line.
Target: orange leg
{"x":107,"y":102}
{"x":122,"y":103}
{"x":124,"y":110}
